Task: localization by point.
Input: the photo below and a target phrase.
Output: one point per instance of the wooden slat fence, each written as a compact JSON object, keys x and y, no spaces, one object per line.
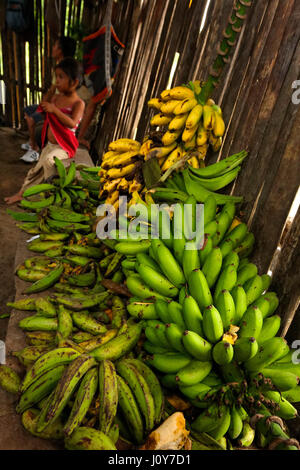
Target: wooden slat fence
{"x":25,"y":59}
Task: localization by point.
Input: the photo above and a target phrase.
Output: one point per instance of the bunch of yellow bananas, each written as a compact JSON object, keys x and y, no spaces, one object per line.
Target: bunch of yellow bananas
{"x":191,"y":125}
{"x":119,"y":170}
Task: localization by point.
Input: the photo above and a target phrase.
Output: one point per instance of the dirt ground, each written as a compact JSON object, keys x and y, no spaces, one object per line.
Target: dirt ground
{"x":13,"y":171}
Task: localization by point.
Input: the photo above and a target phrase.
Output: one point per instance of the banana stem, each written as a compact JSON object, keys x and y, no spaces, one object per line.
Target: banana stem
{"x":230,"y":36}
{"x":272,"y":428}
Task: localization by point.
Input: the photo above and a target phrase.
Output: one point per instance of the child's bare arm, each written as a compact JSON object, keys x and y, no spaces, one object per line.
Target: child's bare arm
{"x":68,"y":121}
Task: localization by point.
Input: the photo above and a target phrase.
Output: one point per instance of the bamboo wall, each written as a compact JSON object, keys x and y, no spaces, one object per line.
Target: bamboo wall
{"x":25,"y":59}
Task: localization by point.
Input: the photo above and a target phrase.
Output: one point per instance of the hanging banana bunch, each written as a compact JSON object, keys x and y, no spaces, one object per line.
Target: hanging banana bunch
{"x":188,"y":125}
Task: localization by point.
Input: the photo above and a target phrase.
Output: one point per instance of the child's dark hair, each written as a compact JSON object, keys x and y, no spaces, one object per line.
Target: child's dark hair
{"x":72,"y":68}
{"x":67,"y":46}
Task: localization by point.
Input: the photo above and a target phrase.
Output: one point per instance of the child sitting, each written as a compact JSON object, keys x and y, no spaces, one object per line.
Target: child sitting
{"x":63,"y":47}
{"x":62,"y":116}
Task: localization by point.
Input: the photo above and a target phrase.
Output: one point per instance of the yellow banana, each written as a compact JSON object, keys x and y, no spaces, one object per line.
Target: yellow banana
{"x":177,"y":93}
{"x":202,"y":135}
{"x":103,"y":175}
{"x":160,"y":119}
{"x":155,"y":103}
{"x":124,"y":145}
{"x":208,"y":117}
{"x":123,"y":184}
{"x":217,"y":144}
{"x":163,"y":151}
{"x":112,"y":197}
{"x":174,"y":156}
{"x":108,"y":162}
{"x":236,"y":221}
{"x":170,"y":137}
{"x":124,"y":158}
{"x":191,"y":144}
{"x":210,"y":102}
{"x":202,"y":151}
{"x":185,"y":106}
{"x":110,"y":186}
{"x":178,"y":122}
{"x":134,"y":186}
{"x":120,"y":159}
{"x":193,"y":161}
{"x":146,"y":147}
{"x":119,"y":172}
{"x":212,"y":139}
{"x":219,"y":125}
{"x":194,"y":116}
{"x":188,"y":134}
{"x":135,"y":199}
{"x":197,"y":87}
{"x":169,"y":106}
{"x":148,"y":198}
{"x":108,"y":155}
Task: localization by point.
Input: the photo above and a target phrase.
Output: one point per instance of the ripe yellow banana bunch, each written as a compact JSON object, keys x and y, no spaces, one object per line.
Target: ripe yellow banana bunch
{"x":190,"y":126}
{"x":118,"y":167}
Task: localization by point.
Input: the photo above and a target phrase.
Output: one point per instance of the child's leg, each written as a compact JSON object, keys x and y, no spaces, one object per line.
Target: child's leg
{"x":34,"y":176}
{"x":48,"y":159}
{"x":31,"y":129}
{"x":44,"y":169}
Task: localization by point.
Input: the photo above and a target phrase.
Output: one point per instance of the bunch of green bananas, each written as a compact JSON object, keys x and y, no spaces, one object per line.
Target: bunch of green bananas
{"x":202,"y":182}
{"x":210,"y":327}
{"x":68,"y":199}
{"x":69,"y":262}
{"x":71,"y":252}
{"x":191,"y":125}
{"x":67,"y":395}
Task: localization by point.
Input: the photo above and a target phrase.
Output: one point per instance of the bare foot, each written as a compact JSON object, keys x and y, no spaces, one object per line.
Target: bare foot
{"x":12,"y":199}
{"x":84,"y":142}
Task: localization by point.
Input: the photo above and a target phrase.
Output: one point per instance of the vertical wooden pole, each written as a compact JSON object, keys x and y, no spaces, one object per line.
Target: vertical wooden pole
{"x":16,"y":76}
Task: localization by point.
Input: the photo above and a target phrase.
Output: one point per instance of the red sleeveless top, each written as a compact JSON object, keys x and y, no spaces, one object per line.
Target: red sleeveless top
{"x":64,"y":136}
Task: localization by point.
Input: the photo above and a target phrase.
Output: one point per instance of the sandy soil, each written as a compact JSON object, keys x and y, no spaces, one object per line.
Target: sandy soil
{"x":13,"y":171}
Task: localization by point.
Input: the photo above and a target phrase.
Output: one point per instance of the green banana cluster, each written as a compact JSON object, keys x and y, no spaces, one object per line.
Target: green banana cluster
{"x":140,"y":398}
{"x":210,"y":325}
{"x":63,"y":389}
{"x":67,"y":204}
{"x":70,"y":263}
{"x":202,"y":182}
